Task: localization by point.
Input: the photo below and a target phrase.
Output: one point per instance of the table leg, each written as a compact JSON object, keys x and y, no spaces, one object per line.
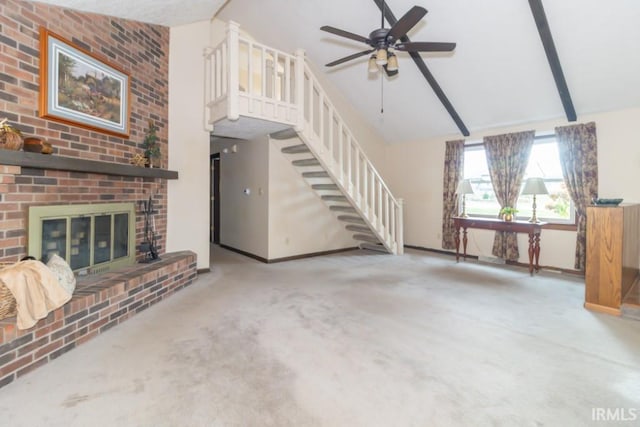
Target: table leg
{"x":536,"y":250}
{"x":531,"y":252}
{"x":464,"y":242}
{"x":457,"y":240}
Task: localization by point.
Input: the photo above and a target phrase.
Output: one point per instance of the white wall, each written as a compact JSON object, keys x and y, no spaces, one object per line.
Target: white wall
{"x":244,"y":220}
{"x":415,"y":172}
{"x":188,"y":208}
{"x":299,"y":221}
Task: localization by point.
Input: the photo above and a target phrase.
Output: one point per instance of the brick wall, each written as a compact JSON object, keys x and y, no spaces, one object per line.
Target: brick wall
{"x":139,"y":49}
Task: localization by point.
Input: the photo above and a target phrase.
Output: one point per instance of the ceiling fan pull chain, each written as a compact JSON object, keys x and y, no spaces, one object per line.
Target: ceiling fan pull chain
{"x":381,"y":94}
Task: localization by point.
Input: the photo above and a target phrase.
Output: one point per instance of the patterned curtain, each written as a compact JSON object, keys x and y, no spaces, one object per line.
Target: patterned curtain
{"x":453,"y":170}
{"x":507,"y":158}
{"x":577,"y":145}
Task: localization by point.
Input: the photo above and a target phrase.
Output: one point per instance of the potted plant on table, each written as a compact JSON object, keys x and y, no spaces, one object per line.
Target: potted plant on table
{"x":508,"y":213}
{"x":151,"y":145}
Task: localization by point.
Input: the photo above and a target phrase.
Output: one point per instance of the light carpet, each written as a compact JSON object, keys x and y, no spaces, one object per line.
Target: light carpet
{"x":354,"y":339}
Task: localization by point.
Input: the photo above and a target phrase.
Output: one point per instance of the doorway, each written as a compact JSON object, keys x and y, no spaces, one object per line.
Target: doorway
{"x":214,"y":198}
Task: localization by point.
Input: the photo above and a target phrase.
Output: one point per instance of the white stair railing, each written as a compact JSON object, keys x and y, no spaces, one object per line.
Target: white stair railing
{"x":331,"y":141}
{"x":247,"y":78}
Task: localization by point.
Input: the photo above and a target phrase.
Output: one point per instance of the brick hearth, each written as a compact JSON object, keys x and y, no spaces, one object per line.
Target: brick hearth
{"x":98,"y":304}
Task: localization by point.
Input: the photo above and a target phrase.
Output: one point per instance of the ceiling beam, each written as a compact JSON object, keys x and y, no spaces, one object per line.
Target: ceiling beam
{"x":552,"y":56}
{"x":425,"y":71}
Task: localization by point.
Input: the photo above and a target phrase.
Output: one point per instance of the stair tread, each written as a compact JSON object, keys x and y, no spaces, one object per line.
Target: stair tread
{"x":359,"y":228}
{"x":342,"y":208}
{"x":284,"y":134}
{"x":325,"y":187}
{"x":306,"y":162}
{"x":350,"y":218}
{"x":334,"y":198}
{"x":372,"y":247}
{"x":295,"y":149}
{"x":315,"y":174}
{"x":366,"y":238}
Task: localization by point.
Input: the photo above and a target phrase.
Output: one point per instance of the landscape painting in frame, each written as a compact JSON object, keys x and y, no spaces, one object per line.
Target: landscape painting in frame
{"x":79,"y":89}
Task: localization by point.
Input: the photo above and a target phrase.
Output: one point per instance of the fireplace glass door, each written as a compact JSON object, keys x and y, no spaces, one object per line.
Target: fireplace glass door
{"x":91,"y":238}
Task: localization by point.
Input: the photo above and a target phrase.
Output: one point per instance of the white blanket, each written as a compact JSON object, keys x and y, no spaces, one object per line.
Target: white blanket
{"x":36,"y":290}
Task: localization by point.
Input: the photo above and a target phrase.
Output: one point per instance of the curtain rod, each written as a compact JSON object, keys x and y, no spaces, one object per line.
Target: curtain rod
{"x":536,"y":138}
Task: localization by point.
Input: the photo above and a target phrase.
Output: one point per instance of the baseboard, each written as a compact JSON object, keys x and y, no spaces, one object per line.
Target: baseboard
{"x":602,"y":309}
{"x":203,"y":271}
{"x":290,"y":258}
{"x":577,"y":273}
{"x":437,"y":251}
{"x":247,"y":254}
{"x":310,"y":255}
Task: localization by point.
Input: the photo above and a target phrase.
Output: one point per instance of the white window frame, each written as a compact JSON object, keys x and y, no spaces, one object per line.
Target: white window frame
{"x":479,"y":146}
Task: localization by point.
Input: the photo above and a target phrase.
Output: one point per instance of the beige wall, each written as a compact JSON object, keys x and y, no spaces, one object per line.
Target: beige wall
{"x":188,"y":208}
{"x":244,"y":223}
{"x":414,"y":172}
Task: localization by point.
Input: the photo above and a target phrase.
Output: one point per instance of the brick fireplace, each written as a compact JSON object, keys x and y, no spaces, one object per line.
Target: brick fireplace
{"x":141,"y":50}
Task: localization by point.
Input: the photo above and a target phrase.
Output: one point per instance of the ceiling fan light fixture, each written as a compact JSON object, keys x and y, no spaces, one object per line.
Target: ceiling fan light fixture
{"x":392,"y":62}
{"x":381,"y":57}
{"x":373,"y":67}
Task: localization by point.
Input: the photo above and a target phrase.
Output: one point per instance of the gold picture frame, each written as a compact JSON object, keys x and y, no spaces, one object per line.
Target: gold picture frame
{"x":78,"y":88}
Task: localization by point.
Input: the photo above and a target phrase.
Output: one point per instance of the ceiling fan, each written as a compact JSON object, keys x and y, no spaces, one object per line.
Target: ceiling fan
{"x":384,"y":42}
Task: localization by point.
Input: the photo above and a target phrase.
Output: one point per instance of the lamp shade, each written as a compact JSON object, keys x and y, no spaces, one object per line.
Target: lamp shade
{"x":534,"y":186}
{"x":464,"y":187}
{"x":381,"y":56}
{"x":392,"y":62}
{"x":373,"y":68}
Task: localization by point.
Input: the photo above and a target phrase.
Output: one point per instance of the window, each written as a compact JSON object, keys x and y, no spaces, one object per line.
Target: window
{"x":544,"y":162}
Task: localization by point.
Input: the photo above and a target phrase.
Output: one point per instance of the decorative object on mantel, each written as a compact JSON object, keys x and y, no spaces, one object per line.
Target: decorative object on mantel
{"x":138,"y":160}
{"x":10,"y":137}
{"x":508,"y":213}
{"x":150,"y":145}
{"x":464,"y":188}
{"x":148,"y":246}
{"x":534,"y":186}
{"x":36,"y":145}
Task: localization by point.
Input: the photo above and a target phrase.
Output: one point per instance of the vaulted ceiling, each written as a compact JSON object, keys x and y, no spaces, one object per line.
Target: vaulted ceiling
{"x":498,"y":74}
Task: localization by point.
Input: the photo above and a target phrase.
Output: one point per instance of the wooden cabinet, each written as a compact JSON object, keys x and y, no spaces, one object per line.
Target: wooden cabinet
{"x":613,"y":255}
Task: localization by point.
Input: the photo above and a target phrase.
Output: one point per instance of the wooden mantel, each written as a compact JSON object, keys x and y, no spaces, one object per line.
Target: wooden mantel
{"x":48,"y":161}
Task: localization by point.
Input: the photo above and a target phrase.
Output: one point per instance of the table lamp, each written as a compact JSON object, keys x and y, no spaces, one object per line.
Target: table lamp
{"x":533,"y":186}
{"x":464,"y":188}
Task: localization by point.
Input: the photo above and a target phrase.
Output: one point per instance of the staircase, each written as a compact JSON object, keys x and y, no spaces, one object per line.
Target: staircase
{"x":252,"y":90}
{"x":322,"y":183}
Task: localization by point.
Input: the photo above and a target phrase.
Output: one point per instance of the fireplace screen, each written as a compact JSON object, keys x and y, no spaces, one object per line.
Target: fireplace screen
{"x":91,"y":238}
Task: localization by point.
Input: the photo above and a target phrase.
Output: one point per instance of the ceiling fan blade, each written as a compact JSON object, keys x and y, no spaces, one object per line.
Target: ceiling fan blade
{"x":407,"y":22}
{"x":349,"y":58}
{"x":425,"y":47}
{"x":342,"y":33}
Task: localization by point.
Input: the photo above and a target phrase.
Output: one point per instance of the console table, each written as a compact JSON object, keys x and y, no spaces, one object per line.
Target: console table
{"x":530,"y":228}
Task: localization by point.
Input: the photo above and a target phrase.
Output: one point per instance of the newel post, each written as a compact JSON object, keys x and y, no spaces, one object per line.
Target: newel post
{"x":233,"y":70}
{"x":400,"y":228}
{"x":299,"y":85}
{"x":208,"y":78}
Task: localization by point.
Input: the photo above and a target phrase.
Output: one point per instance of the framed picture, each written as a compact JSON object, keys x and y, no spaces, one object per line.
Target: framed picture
{"x":78,"y":88}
